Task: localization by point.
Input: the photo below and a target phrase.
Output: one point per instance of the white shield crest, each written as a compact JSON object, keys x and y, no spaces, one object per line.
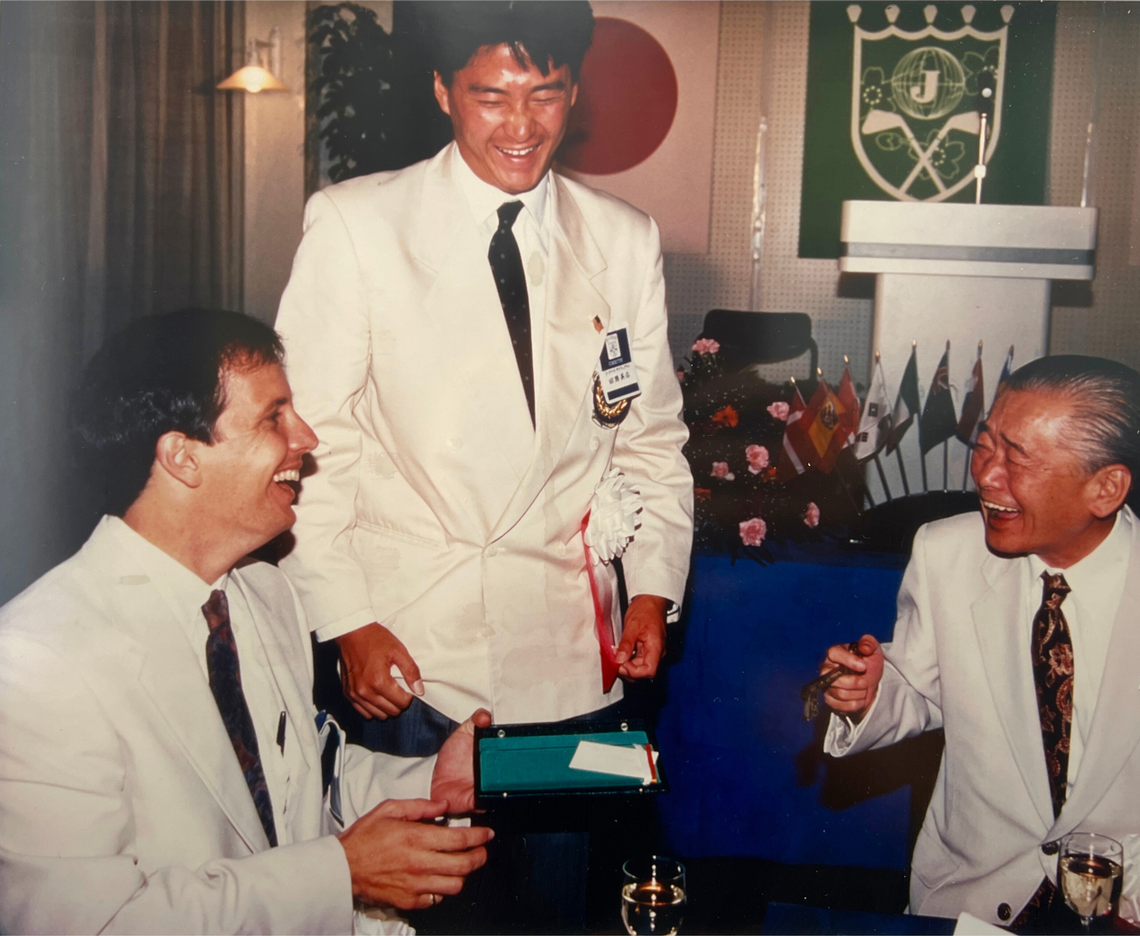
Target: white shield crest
{"x":914,"y":125}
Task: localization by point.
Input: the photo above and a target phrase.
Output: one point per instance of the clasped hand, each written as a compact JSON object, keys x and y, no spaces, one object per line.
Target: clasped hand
{"x":853,"y":694}
{"x":399,"y":857}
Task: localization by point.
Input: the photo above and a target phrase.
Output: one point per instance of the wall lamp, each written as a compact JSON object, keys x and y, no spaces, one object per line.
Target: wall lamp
{"x":253,"y":76}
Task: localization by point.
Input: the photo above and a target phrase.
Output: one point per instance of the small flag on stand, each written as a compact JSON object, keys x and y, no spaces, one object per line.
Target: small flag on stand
{"x":828,"y":429}
{"x":938,"y":421}
{"x":875,"y":426}
{"x":973,"y":403}
{"x":792,"y":462}
{"x":1006,"y":370}
{"x":849,"y":399}
{"x":906,"y":404}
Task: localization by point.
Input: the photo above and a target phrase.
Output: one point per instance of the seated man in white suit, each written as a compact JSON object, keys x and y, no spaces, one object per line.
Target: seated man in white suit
{"x":160,"y":764}
{"x":1018,"y":635}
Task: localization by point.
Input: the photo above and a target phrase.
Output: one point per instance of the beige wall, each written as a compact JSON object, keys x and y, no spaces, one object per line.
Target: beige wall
{"x":778,"y":32}
{"x":274,"y":161}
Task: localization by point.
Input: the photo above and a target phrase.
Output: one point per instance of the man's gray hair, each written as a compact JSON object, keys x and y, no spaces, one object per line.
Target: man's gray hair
{"x":1106,"y":396}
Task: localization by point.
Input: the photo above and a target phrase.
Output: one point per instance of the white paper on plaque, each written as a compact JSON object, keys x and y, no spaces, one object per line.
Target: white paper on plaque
{"x":969,"y":925}
{"x":618,"y":760}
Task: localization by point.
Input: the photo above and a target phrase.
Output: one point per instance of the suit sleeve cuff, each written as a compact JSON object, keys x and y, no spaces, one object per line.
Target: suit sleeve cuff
{"x":352,"y":622}
{"x":843,"y":733}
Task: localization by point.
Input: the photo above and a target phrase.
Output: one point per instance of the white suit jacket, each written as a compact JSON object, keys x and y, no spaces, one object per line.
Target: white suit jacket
{"x":958,"y":661}
{"x":122,"y":805}
{"x":432,"y":510}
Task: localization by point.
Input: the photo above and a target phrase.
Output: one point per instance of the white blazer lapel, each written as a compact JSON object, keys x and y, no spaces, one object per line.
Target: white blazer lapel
{"x":172,"y":676}
{"x":1115,"y":729}
{"x":1009,"y":672}
{"x":275,"y":637}
{"x":471,"y":342}
{"x":571,"y":346}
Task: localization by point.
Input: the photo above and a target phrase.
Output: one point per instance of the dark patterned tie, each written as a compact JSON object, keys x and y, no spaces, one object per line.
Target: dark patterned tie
{"x":506,"y":265}
{"x":1052,"y":651}
{"x":1053,"y":673}
{"x":225,"y":682}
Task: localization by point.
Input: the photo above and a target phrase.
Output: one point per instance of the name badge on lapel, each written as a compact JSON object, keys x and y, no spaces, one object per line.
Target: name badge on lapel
{"x":615,"y":380}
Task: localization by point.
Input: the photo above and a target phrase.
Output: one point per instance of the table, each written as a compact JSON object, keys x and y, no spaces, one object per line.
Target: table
{"x":746,"y":772}
{"x":790,"y":919}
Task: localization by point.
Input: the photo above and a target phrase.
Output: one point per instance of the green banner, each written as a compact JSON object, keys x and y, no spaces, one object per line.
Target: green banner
{"x":891,"y":107}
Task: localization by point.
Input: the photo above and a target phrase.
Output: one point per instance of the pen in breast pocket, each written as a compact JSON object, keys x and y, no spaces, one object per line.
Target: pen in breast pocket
{"x":281,"y":733}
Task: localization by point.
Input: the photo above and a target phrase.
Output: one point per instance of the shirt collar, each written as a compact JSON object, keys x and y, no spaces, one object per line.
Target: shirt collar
{"x":182,"y":590}
{"x":1108,"y":559}
{"x":484,"y":199}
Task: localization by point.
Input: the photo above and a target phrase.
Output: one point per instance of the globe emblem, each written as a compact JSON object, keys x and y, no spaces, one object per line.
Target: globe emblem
{"x":928,"y":83}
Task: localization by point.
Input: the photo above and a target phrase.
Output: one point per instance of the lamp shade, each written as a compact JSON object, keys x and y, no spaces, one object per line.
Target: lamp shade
{"x":252,"y":78}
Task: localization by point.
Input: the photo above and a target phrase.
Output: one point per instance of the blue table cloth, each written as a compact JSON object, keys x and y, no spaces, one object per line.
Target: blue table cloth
{"x":744,"y":767}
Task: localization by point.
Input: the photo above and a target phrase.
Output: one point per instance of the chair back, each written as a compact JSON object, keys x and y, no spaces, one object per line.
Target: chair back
{"x":748,"y":338}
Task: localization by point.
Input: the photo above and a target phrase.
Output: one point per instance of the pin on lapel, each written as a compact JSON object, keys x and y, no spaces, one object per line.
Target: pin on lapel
{"x":598,"y":326}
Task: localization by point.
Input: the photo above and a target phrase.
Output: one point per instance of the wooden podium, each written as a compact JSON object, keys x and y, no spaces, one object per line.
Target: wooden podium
{"x":959,"y":273}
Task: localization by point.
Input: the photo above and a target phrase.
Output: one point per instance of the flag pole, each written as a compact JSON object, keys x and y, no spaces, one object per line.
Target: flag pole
{"x":969,"y":447}
{"x":945,"y":464}
{"x":902,"y":470}
{"x":882,"y":475}
{"x":925,"y":486}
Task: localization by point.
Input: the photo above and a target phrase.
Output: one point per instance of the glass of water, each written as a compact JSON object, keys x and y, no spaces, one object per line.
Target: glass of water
{"x":652,"y":896}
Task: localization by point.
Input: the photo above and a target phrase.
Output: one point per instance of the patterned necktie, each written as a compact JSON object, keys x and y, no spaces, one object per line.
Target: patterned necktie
{"x":506,"y":265}
{"x":225,"y":682}
{"x":1053,"y":673}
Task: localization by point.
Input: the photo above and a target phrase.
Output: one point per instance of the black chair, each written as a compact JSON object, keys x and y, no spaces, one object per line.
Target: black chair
{"x":748,"y":338}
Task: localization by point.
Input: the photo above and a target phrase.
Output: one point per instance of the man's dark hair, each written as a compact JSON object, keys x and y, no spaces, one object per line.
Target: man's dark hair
{"x":160,"y":374}
{"x":547,"y":33}
{"x":1106,"y":395}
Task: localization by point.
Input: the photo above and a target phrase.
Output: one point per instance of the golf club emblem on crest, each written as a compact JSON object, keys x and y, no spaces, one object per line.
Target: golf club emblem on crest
{"x":914,"y":125}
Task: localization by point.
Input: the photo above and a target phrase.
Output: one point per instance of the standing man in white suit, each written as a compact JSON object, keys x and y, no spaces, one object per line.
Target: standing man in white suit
{"x":481,"y":346}
{"x":1018,"y":635}
{"x":446,"y":327}
{"x":160,"y":763}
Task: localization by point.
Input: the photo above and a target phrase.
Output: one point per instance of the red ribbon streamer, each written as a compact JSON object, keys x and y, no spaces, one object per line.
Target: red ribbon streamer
{"x":605,"y":644}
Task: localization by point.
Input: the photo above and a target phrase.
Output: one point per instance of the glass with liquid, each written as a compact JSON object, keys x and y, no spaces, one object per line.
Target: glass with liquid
{"x":652,"y":896}
{"x":1091,"y":874}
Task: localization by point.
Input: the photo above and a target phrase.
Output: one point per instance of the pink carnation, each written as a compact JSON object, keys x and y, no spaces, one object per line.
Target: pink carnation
{"x":720,"y":470}
{"x":779,"y":410}
{"x":757,"y":457}
{"x":681,"y":374}
{"x":811,"y":518}
{"x":752,"y":532}
{"x":706,"y":346}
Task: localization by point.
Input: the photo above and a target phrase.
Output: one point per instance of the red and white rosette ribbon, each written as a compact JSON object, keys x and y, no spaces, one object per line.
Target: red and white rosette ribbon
{"x":607,"y":528}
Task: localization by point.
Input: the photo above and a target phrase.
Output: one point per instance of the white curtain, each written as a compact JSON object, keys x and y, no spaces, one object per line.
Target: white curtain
{"x":120,"y":196}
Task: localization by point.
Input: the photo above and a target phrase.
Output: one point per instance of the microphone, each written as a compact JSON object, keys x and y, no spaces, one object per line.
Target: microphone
{"x":987,"y":91}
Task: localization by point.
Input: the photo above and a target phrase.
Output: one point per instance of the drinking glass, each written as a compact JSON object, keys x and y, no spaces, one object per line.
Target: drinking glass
{"x":652,"y":896}
{"x":1090,"y":868}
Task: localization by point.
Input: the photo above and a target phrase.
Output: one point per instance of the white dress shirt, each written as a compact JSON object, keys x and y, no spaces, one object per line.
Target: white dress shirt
{"x":185,"y":593}
{"x":532,"y":234}
{"x":1097,"y":586}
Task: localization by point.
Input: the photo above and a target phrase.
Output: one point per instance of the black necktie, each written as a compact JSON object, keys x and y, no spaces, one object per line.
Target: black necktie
{"x":506,"y":265}
{"x":225,"y":682}
{"x":1052,"y":650}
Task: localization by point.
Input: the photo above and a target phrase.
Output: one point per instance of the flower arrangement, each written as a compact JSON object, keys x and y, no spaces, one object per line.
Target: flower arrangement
{"x":736,"y":430}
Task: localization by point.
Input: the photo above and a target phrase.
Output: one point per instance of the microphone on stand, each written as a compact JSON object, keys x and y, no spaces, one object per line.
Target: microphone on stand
{"x":984,"y":104}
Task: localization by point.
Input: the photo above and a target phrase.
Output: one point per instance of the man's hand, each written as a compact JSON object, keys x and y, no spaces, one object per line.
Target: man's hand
{"x":853,"y":694}
{"x":366,"y":659}
{"x":398,"y":860}
{"x":643,"y":639}
{"x":453,"y":779}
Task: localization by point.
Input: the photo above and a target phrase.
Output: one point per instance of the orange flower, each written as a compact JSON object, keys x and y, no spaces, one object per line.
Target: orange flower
{"x":702,"y":494}
{"x":726,"y":416}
